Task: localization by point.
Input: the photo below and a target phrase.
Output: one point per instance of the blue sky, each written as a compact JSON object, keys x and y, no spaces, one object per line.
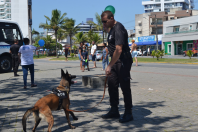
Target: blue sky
{"x":82,"y":9}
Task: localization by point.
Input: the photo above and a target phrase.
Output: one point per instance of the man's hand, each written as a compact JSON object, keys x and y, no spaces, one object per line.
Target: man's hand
{"x":108,"y":70}
{"x":93,"y":55}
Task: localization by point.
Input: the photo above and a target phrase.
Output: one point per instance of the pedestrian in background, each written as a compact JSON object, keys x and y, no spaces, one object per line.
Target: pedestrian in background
{"x":27,"y":62}
{"x":93,"y":53}
{"x":118,"y":70}
{"x":66,"y":53}
{"x":105,"y":57}
{"x":134,"y":51}
{"x":79,"y":54}
{"x":14,"y":49}
{"x":84,"y":58}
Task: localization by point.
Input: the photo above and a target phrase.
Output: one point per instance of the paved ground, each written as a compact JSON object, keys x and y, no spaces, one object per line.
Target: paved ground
{"x":164,"y":98}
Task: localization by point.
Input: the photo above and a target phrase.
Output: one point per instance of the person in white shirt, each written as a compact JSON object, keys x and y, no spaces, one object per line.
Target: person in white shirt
{"x":27,"y":62}
{"x":93,"y":53}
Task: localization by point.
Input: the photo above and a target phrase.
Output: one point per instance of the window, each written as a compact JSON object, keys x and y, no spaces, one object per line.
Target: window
{"x":169,"y":48}
{"x":172,"y":18}
{"x":189,"y":46}
{"x":176,"y":29}
{"x":190,"y":27}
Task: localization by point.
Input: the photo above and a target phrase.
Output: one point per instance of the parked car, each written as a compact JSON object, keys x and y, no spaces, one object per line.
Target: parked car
{"x":98,"y":55}
{"x":195,"y":51}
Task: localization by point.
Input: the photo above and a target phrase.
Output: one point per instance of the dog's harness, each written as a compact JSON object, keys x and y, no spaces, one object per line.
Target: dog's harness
{"x":61,"y":94}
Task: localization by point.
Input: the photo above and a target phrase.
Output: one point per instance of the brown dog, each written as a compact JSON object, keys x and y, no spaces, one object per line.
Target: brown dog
{"x":43,"y":107}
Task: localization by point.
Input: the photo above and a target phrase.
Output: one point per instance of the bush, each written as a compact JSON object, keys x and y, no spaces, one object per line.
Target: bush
{"x":157,"y":54}
{"x":153,"y":53}
{"x":72,"y":55}
{"x":189,"y":53}
{"x":162,"y":53}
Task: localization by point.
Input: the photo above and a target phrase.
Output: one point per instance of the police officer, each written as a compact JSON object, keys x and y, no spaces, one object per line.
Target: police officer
{"x":118,"y":70}
{"x":15,"y":59}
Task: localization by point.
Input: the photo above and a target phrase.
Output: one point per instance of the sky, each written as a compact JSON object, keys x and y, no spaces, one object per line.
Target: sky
{"x":79,"y":10}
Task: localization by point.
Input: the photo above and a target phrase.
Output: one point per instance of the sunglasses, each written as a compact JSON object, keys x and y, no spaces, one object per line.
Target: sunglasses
{"x":104,"y":21}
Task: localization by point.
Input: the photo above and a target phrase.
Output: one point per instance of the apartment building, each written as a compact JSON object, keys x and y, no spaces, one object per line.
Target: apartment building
{"x":19,"y":11}
{"x":146,"y":23}
{"x":166,"y":5}
{"x":180,"y":35}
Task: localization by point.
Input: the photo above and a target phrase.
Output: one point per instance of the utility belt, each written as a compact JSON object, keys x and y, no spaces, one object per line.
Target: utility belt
{"x":125,"y":56}
{"x":14,"y":56}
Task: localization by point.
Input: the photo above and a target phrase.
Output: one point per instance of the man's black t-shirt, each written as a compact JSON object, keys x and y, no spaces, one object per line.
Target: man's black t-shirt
{"x":14,"y":49}
{"x":118,"y":36}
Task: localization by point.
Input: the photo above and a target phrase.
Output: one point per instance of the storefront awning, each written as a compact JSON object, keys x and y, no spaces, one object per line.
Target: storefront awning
{"x":148,"y":43}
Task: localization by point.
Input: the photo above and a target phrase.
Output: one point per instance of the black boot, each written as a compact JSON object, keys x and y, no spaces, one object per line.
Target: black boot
{"x":113,"y":113}
{"x":127,"y":116}
{"x":15,"y":74}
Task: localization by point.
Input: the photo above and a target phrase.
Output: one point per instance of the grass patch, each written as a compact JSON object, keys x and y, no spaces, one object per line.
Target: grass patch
{"x":40,"y":56}
{"x":166,"y":60}
{"x":63,"y":58}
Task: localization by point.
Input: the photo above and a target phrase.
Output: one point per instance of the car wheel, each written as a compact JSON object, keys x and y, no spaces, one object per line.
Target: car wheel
{"x":5,"y":64}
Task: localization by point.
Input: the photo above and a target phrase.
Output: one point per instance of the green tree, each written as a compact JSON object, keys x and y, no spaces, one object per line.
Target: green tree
{"x":70,"y":28}
{"x":153,"y":53}
{"x":189,"y":53}
{"x":157,"y":54}
{"x":55,"y":23}
{"x":34,"y":32}
{"x":80,"y":37}
{"x":162,"y":53}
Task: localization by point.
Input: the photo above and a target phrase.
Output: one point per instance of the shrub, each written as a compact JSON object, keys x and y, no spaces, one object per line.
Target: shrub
{"x":189,"y":53}
{"x":162,"y":53}
{"x":153,"y":53}
{"x":72,"y":55}
{"x":157,"y":54}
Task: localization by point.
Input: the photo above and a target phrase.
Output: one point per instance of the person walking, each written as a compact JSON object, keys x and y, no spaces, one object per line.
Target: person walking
{"x":84,"y":58}
{"x":105,"y":57}
{"x":93,"y":53}
{"x":15,"y":59}
{"x":66,"y":53}
{"x":79,"y":54}
{"x":134,"y":51}
{"x":118,"y":70}
{"x":27,"y":62}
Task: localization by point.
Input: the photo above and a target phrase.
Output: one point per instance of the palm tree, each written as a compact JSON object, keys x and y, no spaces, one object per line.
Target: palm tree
{"x":80,"y":37}
{"x":70,"y":28}
{"x":56,"y":21}
{"x":98,"y":25}
{"x":35,"y":32}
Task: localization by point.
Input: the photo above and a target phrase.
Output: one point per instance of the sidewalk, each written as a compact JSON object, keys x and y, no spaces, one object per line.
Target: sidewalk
{"x":164,"y":99}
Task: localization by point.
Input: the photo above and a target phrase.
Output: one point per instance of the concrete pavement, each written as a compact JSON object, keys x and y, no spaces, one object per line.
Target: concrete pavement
{"x":164,"y":98}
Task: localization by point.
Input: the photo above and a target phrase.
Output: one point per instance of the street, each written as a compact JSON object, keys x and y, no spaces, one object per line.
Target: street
{"x":164,"y":99}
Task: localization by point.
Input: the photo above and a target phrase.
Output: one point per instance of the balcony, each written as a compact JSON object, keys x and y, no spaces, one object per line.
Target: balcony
{"x":158,"y":32}
{"x":178,"y":32}
{"x":158,"y":23}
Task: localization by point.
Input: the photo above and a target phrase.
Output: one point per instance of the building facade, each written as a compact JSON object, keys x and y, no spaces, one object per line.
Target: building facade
{"x":166,"y":5}
{"x":180,"y":35}
{"x":146,"y":23}
{"x":19,"y":11}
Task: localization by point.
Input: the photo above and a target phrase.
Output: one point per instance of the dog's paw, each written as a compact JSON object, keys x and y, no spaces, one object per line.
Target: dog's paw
{"x":75,"y":118}
{"x":72,"y":127}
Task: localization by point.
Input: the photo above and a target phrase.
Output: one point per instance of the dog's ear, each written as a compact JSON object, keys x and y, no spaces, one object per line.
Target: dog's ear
{"x":67,"y":75}
{"x":62,"y":73}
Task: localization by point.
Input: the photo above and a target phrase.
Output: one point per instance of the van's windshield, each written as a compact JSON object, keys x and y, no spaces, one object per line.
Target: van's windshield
{"x":9,"y":32}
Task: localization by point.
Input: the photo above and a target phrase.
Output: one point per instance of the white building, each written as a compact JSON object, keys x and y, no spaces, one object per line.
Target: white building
{"x":179,"y":35}
{"x":18,"y":11}
{"x":165,"y":5}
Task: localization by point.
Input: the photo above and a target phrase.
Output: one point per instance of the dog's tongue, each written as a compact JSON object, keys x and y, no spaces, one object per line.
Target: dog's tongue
{"x":72,"y":82}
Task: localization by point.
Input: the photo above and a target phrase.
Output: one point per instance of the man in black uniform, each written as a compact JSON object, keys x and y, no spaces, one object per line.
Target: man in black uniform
{"x":15,"y":59}
{"x":118,"y":70}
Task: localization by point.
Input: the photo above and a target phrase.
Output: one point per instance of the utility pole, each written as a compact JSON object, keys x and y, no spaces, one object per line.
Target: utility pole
{"x":156,"y":31}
